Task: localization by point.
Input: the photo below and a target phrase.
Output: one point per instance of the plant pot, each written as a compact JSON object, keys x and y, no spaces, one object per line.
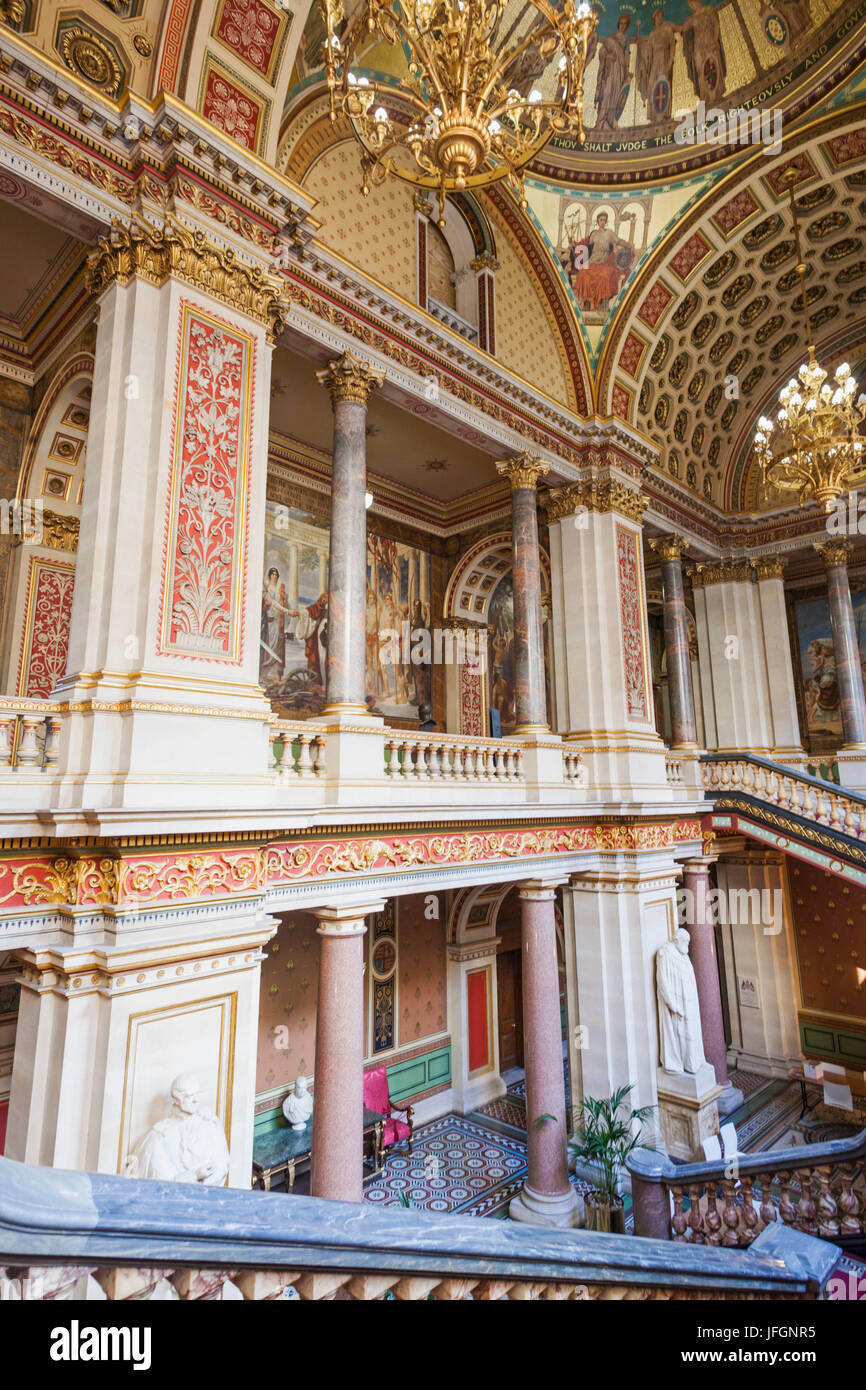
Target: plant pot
{"x":602,"y":1215}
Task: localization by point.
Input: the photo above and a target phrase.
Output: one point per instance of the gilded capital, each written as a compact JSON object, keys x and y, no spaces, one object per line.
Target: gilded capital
{"x":597,"y":495}
{"x":669,"y":547}
{"x":523,"y":471}
{"x":833,"y":552}
{"x":350,"y":379}
{"x":484,"y":262}
{"x":769,"y":566}
{"x":704,"y":575}
{"x":147,"y":252}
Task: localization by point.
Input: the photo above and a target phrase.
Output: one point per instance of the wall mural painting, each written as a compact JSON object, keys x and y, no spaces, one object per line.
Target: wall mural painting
{"x":294,"y":621}
{"x":500,"y":653}
{"x":819,"y":685}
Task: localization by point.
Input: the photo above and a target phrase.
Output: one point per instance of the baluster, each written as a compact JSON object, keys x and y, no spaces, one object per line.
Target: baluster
{"x":761,"y":783}
{"x":696,"y":1224}
{"x":837,"y":819}
{"x":52,"y":740}
{"x":772,"y":787}
{"x":768,"y":1210}
{"x":725,"y":779}
{"x":319,"y":765}
{"x":712,"y":1219}
{"x":787,"y":1210}
{"x":275,"y":741}
{"x":28,"y":750}
{"x":828,"y":1224}
{"x":748,"y":1214}
{"x":806,"y":1212}
{"x":304,"y":766}
{"x":457,"y":772}
{"x":851,"y":819}
{"x":730,"y":1218}
{"x":518,"y":760}
{"x":407,"y":767}
{"x":849,"y":1202}
{"x":393,"y":766}
{"x":821,"y":809}
{"x":509,"y":764}
{"x":484,"y":762}
{"x":8,"y":725}
{"x":679,"y":1220}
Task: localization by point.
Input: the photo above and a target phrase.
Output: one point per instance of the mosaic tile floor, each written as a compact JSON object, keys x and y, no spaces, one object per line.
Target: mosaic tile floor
{"x":458,"y":1164}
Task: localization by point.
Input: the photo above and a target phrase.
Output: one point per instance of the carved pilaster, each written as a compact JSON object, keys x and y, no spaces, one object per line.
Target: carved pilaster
{"x":350,"y":379}
{"x":596,"y":495}
{"x":156,"y":254}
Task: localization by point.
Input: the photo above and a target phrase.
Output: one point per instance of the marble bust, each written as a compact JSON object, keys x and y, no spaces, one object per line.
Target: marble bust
{"x":298,"y":1104}
{"x":682,"y":1048}
{"x":188,"y":1146}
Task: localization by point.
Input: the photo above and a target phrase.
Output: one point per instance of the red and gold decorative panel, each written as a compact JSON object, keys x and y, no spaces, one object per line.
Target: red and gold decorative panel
{"x":620,"y":400}
{"x":472,"y":702}
{"x":232,"y":107}
{"x":736,"y":210}
{"x":172,"y":45}
{"x":801,"y":162}
{"x":851,"y":145}
{"x":480,"y":1041}
{"x":655,"y":304}
{"x":631,"y":353}
{"x":252,"y":30}
{"x":632,"y":609}
{"x":45,"y":640}
{"x":690,"y":256}
{"x":205,"y":546}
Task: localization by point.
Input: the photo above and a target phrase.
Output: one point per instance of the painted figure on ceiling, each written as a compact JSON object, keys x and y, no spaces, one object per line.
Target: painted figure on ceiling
{"x":655,"y":66}
{"x":597,"y":271}
{"x":785,"y":21}
{"x":612,"y":83}
{"x":703,"y":52}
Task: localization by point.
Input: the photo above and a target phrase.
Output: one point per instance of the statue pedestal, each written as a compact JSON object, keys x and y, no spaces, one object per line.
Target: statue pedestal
{"x":688,"y":1111}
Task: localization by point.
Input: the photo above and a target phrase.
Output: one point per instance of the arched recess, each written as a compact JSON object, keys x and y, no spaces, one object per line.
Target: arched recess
{"x":49,"y":496}
{"x":476,"y":600}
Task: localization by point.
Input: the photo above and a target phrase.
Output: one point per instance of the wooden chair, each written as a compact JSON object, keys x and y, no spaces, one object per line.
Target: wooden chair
{"x":377,"y":1097}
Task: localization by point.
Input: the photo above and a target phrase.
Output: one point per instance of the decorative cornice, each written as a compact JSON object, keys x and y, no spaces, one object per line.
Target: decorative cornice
{"x":349,"y":378}
{"x":669,"y":547}
{"x":769,"y":566}
{"x":833,"y":552}
{"x":720,"y":572}
{"x":595,"y":495}
{"x":523,"y":471}
{"x":157,"y":254}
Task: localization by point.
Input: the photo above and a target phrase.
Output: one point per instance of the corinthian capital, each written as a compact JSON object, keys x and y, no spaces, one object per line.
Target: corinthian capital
{"x":350,"y":379}
{"x":833,"y":552}
{"x":669,"y":547}
{"x":523,"y":471}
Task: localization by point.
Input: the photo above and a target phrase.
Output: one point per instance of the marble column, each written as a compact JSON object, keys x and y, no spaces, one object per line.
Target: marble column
{"x":350,"y":383}
{"x":835,"y":555}
{"x":548,"y":1198}
{"x":523,"y":473}
{"x":338,"y":1104}
{"x":680,"y":693}
{"x":702,"y":953}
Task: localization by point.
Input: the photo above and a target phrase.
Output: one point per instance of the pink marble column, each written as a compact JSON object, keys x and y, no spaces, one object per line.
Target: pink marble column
{"x":530,"y":695}
{"x":680,"y":693}
{"x":548,"y":1198}
{"x":835,"y":555}
{"x":351,"y":383}
{"x":338,"y":1105}
{"x":702,"y":954}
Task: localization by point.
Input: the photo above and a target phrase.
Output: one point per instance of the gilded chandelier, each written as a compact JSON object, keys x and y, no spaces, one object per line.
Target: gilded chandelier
{"x":813,"y":446}
{"x":461,"y":116}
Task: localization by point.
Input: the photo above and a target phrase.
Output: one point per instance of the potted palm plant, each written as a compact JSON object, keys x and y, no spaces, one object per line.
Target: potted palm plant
{"x":605,"y":1134}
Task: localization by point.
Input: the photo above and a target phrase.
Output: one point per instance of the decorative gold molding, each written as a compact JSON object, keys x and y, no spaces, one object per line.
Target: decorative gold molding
{"x":669,"y":547}
{"x":720,"y":572}
{"x":485,"y":261}
{"x":523,"y":471}
{"x":597,"y":496}
{"x":11,"y":12}
{"x":769,"y":566}
{"x":349,"y":378}
{"x":52,"y":529}
{"x":833,"y":552}
{"x":157,"y":254}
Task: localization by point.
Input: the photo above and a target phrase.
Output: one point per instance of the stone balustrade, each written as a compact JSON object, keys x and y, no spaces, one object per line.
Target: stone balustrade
{"x":790,"y":790}
{"x":674,"y":769}
{"x":417,"y":757}
{"x":297,"y":750}
{"x":573,"y":769}
{"x":29,"y":735}
{"x":817,"y":1189}
{"x":99,"y":1236}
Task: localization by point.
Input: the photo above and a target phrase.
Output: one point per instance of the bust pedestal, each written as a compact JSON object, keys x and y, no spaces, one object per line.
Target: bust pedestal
{"x":688,"y":1111}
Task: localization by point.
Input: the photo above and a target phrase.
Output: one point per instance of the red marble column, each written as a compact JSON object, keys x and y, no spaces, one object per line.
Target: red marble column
{"x":680,"y":693}
{"x":835,"y":555}
{"x":338,"y":1105}
{"x":530,"y":700}
{"x":351,"y":383}
{"x":548,"y":1197}
{"x":702,"y":954}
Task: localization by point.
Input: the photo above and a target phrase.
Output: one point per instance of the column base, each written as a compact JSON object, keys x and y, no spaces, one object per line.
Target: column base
{"x":729,"y":1099}
{"x":563,"y":1209}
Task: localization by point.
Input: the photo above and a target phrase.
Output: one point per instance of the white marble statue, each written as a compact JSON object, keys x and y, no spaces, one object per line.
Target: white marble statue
{"x":682,"y":1048}
{"x":298,"y":1104}
{"x":188,"y":1146}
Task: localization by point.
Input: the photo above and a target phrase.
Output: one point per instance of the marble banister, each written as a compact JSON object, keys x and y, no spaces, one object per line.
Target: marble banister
{"x":838,"y":809}
{"x":61,"y":1230}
